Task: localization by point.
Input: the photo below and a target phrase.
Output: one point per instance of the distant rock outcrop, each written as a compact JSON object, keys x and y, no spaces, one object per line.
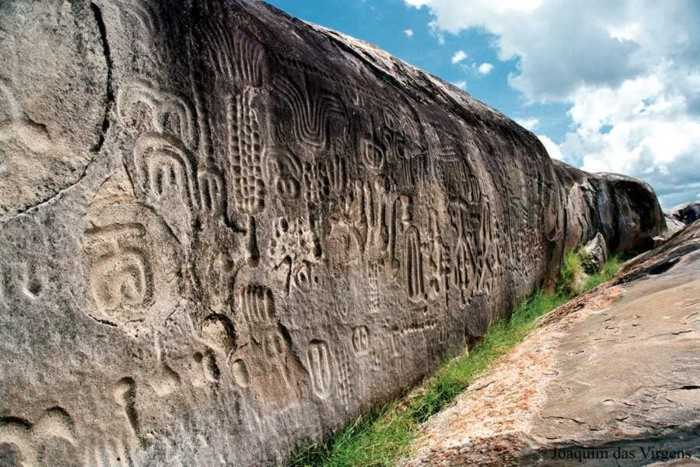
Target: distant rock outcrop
{"x":225,"y":231}
{"x":610,"y":379}
{"x":687,"y":213}
{"x":623,"y":209}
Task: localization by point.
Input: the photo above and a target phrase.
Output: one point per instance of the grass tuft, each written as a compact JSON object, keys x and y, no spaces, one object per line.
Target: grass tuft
{"x":383,"y":436}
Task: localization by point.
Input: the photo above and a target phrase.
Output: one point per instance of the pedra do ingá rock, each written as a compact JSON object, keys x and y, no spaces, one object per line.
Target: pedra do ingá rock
{"x":226,"y":232}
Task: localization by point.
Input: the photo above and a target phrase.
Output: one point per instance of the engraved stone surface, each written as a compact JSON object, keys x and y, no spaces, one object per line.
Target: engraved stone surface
{"x":608,"y":379}
{"x":225,"y":232}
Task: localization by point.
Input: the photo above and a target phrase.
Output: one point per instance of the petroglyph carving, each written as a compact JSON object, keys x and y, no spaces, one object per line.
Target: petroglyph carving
{"x":237,"y":57}
{"x":212,"y":192}
{"x":164,"y":168}
{"x":438,"y":261}
{"x":373,"y":155}
{"x":360,"y":340}
{"x":142,"y":13}
{"x":334,"y":175}
{"x":344,"y":244}
{"x":121,"y":274}
{"x":24,"y":272}
{"x":320,"y":368}
{"x":125,"y":396}
{"x":311,"y":110}
{"x":345,"y":388}
{"x":30,"y":439}
{"x":245,"y":149}
{"x":218,"y":332}
{"x":465,"y":218}
{"x":128,"y":283}
{"x":374,"y":288}
{"x":251,"y":222}
{"x":144,"y":106}
{"x":270,"y":359}
{"x":294,"y":249}
{"x":285,"y":173}
{"x":167,"y":381}
{"x":375,"y":220}
{"x":239,"y":371}
{"x":257,"y":304}
{"x":220,"y":274}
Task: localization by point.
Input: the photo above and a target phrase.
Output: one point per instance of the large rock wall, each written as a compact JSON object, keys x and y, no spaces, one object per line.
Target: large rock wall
{"x":225,"y":231}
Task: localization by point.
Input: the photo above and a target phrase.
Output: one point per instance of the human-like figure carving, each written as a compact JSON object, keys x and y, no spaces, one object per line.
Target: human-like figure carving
{"x":212,"y":192}
{"x":164,"y":169}
{"x":166,"y":113}
{"x":374,"y":220}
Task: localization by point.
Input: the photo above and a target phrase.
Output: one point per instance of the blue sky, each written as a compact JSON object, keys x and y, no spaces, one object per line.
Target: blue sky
{"x":607,"y":86}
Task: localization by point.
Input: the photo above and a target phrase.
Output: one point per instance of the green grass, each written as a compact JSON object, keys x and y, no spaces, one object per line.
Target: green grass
{"x":381,"y":437}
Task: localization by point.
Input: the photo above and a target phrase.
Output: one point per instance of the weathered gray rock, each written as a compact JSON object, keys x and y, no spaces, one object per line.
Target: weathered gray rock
{"x":687,"y":213}
{"x":225,"y":231}
{"x":594,"y":254}
{"x":608,"y":379}
{"x":673,"y":225}
{"x":623,"y":209}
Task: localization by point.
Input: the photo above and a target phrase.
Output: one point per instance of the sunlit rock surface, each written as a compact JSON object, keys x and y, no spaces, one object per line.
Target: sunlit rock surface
{"x":225,"y":231}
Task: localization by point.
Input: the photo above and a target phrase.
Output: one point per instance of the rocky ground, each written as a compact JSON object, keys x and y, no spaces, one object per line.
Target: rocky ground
{"x":611,"y":378}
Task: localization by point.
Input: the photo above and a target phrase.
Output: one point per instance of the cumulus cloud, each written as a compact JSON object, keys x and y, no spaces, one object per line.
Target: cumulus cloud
{"x":408,"y":32}
{"x":461,"y":84}
{"x":552,"y":148}
{"x":485,"y":68}
{"x":529,"y":123}
{"x":628,"y":71}
{"x":459,"y":56}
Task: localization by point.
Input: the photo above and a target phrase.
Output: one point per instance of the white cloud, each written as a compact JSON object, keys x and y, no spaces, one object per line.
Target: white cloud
{"x":408,"y":32}
{"x":459,"y":56}
{"x":529,"y":123}
{"x":552,"y":148}
{"x":628,"y":70}
{"x":485,"y":68}
{"x":461,"y":84}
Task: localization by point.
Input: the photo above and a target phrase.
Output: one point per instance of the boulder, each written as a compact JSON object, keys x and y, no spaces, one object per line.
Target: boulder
{"x":673,"y":225}
{"x":594,"y":254}
{"x":226,"y":232}
{"x":609,"y":379}
{"x":687,"y":213}
{"x":625,"y":210}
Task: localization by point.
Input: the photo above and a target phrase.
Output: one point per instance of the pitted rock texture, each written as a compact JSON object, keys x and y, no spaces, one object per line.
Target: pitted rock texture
{"x":610,"y":378}
{"x":225,"y":231}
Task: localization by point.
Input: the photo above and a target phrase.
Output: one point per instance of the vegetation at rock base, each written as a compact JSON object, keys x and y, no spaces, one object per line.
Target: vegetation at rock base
{"x":381,"y":437}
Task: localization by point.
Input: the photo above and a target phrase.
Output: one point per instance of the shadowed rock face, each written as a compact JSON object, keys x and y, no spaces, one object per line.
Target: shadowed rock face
{"x":687,"y":213}
{"x":225,"y":231}
{"x":623,"y":209}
